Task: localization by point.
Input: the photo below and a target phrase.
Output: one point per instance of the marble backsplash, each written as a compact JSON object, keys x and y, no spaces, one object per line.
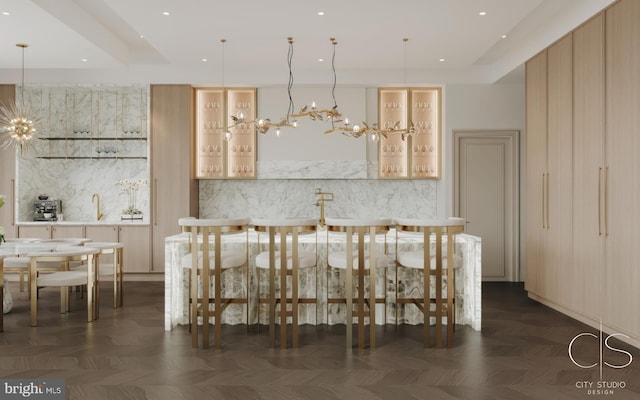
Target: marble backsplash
{"x":296,"y":198}
{"x":94,"y":136}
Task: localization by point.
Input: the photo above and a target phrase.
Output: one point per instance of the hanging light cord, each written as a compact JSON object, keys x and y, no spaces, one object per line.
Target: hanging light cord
{"x":23,"y":46}
{"x":291,"y":108}
{"x":223,"y":41}
{"x":405,"y":40}
{"x":335,"y":79}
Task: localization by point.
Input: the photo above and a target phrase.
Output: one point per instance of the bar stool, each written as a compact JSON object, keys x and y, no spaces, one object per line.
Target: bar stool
{"x":113,"y":268}
{"x":205,"y":263}
{"x":288,"y":265}
{"x":64,"y":279}
{"x":441,"y":269}
{"x":366,"y":264}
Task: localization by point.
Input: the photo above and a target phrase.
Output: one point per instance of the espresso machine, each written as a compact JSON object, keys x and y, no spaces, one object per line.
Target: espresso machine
{"x":46,"y":210}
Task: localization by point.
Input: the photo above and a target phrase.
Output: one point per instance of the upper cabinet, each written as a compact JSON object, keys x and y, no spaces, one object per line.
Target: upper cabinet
{"x":416,"y":156}
{"x":225,"y":149}
{"x":92,"y":123}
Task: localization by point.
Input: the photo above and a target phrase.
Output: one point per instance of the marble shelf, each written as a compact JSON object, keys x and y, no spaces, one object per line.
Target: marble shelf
{"x":468,"y":280}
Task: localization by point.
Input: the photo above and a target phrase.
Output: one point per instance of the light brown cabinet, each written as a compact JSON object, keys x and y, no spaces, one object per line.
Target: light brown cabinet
{"x":137,"y":248}
{"x":582,"y":213}
{"x":8,"y":174}
{"x":174,"y":189}
{"x":588,"y":164}
{"x":621,"y":183}
{"x":219,"y":157}
{"x":416,"y":156}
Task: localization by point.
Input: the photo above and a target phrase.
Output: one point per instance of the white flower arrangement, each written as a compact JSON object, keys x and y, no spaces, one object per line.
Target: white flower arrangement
{"x":130,"y":187}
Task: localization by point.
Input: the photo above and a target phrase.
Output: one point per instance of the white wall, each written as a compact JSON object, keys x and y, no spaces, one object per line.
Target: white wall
{"x":481,"y":107}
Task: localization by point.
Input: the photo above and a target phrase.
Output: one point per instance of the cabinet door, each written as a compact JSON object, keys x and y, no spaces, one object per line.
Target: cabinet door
{"x":588,"y":160}
{"x":559,"y":276}
{"x":105,"y":233}
{"x":174,"y":189}
{"x":621,"y":277}
{"x":35,"y":232}
{"x":67,"y":231}
{"x":536,"y":142}
{"x":137,"y":248}
{"x":7,"y":174}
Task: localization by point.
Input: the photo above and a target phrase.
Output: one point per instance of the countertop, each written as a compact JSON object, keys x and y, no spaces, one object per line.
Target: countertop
{"x":73,"y":223}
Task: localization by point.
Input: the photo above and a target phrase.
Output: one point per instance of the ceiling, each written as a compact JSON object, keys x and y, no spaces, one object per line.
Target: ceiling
{"x":131,"y":41}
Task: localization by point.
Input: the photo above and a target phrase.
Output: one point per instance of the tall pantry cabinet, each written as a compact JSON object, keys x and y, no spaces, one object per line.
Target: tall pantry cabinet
{"x":174,"y":189}
{"x":8,"y":173}
{"x":583,"y":214}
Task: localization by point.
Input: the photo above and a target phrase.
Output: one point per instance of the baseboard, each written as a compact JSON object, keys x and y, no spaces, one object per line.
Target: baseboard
{"x":633,"y":341}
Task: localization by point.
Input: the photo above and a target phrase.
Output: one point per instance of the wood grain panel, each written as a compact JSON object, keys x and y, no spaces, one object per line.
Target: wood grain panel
{"x":622,"y":147}
{"x":174,"y":189}
{"x":558,"y":272}
{"x":536,"y":145}
{"x":588,"y":158}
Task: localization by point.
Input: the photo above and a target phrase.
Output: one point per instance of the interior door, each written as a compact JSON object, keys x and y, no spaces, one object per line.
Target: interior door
{"x":486,"y":196}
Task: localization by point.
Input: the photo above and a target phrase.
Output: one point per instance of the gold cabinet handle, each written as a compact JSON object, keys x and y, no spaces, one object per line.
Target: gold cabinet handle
{"x":547,"y":204}
{"x":155,"y":202}
{"x":606,"y":200}
{"x":13,"y":202}
{"x":543,"y":197}
{"x":599,"y":201}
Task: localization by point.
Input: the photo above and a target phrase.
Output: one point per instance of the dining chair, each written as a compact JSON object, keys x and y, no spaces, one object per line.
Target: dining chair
{"x":64,"y":279}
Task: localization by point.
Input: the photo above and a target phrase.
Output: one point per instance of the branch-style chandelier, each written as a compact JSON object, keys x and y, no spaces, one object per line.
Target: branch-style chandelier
{"x":332,"y":114}
{"x":17,"y":129}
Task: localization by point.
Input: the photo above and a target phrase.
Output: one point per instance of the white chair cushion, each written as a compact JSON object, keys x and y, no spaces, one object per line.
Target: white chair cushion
{"x":338,"y":259}
{"x":415,"y":259}
{"x":63,"y":278}
{"x":228,"y":259}
{"x":17,"y":262}
{"x":23,"y":263}
{"x":306,"y":259}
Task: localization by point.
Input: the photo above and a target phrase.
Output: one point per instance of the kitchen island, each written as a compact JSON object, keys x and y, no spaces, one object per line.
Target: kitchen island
{"x":468,"y":280}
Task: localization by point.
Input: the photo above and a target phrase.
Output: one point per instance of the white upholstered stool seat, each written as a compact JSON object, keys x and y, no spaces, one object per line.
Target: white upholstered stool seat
{"x":306,"y":259}
{"x":210,"y":262}
{"x":415,"y":259}
{"x":278,"y":232}
{"x":228,"y":258}
{"x":338,"y":259}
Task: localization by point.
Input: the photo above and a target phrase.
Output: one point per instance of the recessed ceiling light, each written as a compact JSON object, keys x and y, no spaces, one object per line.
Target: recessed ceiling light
{"x":320,"y":59}
{"x":141,"y":36}
{"x":6,"y":13}
{"x":84,"y":60}
{"x":504,"y":36}
{"x":321,"y":13}
{"x":166,"y":13}
{"x":483,"y":13}
{"x":441,"y":60}
{"x":204,"y":60}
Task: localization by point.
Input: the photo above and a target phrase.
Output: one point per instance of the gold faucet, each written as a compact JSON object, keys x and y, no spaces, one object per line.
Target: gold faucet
{"x":99,"y":214}
{"x":324,"y":196}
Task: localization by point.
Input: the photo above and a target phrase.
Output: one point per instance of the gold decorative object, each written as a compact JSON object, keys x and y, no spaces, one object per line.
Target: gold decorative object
{"x":18,"y":129}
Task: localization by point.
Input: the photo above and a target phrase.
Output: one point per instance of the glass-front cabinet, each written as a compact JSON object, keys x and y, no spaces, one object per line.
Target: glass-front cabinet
{"x":225,"y":148}
{"x":93,"y":123}
{"x":416,"y":156}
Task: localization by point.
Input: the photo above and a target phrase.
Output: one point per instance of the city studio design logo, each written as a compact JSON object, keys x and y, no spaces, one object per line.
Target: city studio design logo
{"x":601,"y":387}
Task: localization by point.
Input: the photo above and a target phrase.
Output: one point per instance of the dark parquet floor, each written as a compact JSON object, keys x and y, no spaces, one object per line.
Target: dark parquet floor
{"x":521,"y":353}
